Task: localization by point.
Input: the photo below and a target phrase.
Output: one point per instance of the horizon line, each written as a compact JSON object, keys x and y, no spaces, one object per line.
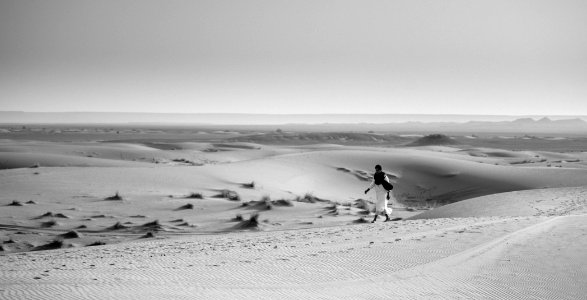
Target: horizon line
{"x":294,"y":114}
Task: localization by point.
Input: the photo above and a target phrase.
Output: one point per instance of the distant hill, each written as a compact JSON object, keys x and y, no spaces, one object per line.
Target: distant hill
{"x":389,"y":123}
{"x":434,"y":140}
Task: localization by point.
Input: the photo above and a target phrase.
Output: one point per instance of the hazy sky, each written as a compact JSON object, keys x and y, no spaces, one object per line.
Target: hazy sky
{"x":295,"y":56}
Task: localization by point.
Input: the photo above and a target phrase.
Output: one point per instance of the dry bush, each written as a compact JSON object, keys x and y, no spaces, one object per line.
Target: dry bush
{"x":228,"y":194}
{"x":115,"y":197}
{"x":195,"y":196}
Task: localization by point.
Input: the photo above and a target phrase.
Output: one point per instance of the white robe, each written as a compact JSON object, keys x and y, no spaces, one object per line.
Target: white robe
{"x":381,"y":197}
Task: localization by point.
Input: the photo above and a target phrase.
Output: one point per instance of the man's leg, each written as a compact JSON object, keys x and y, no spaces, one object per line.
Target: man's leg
{"x":375,"y":219}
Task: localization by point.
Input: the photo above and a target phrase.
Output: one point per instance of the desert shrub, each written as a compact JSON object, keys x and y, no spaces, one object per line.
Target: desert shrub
{"x":50,"y":223}
{"x":71,"y":235}
{"x":152,"y":224}
{"x":148,"y":235}
{"x":266,"y":200}
{"x":332,"y":209}
{"x":250,"y":185}
{"x":308,"y":197}
{"x":187,"y":206}
{"x":228,"y":194}
{"x":97,"y":243}
{"x":47,"y":214}
{"x":117,"y":226}
{"x":114,"y":197}
{"x":55,"y":244}
{"x":283,"y":202}
{"x":252,"y":222}
{"x":195,"y":196}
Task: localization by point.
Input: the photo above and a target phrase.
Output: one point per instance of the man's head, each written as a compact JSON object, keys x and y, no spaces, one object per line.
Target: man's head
{"x":377,"y":168}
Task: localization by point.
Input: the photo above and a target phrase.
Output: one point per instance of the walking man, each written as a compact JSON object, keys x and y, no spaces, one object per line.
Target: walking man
{"x":382,"y":189}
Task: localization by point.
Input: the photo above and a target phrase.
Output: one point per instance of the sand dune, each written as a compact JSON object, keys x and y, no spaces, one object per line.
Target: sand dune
{"x":221,"y":219}
{"x":477,"y":258}
{"x":538,"y":202}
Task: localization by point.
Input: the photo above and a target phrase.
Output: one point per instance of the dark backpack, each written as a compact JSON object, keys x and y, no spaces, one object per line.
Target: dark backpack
{"x":380,"y":180}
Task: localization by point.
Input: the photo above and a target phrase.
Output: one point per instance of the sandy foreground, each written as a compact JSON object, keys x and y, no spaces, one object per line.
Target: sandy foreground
{"x":498,"y":257}
{"x":521,"y":231}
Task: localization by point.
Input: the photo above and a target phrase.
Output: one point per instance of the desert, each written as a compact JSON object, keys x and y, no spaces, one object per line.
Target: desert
{"x":205,"y":212}
{"x":267,"y":149}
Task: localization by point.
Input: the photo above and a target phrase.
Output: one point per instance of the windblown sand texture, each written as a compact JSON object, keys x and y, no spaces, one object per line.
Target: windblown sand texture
{"x":217,"y":218}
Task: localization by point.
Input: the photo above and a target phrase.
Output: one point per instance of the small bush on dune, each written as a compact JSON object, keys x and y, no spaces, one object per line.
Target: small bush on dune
{"x":52,"y":215}
{"x":187,"y":206}
{"x":115,"y":197}
{"x":250,"y":185}
{"x":49,"y":224}
{"x":15,"y":203}
{"x":45,"y":215}
{"x":195,"y":196}
{"x":117,"y":226}
{"x":266,"y":201}
{"x":228,"y":194}
{"x":309,"y":198}
{"x":283,"y":202}
{"x":148,"y":235}
{"x":239,"y":218}
{"x":251,"y":223}
{"x":71,"y":235}
{"x":56,"y":244}
{"x":332,"y":209}
{"x":152,"y":224}
{"x":97,"y":243}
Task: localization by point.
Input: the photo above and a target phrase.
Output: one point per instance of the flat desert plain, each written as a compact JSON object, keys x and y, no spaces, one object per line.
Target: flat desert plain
{"x":161,"y":213}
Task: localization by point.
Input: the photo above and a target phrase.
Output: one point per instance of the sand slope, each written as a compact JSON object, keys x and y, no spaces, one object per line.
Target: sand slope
{"x":539,"y":202}
{"x":480,"y":258}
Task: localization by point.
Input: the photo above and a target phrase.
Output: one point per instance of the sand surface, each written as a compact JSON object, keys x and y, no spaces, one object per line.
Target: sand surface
{"x":235,"y":220}
{"x":505,"y":257}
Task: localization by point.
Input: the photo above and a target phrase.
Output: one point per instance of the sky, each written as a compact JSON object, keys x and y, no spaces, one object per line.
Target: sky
{"x":504,"y":57}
